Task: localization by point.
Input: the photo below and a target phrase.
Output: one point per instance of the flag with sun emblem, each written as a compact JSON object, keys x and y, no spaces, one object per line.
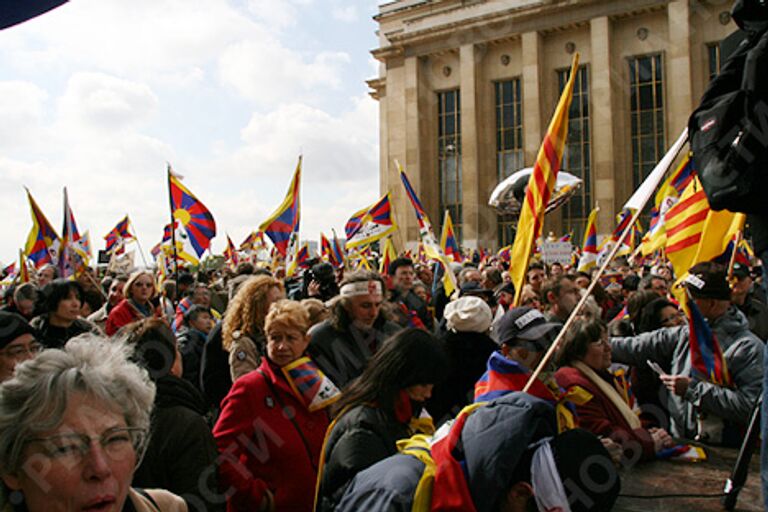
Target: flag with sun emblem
{"x":195,"y":219}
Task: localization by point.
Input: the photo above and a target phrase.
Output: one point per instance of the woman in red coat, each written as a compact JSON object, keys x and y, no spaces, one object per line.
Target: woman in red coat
{"x":272,"y":426}
{"x":139,"y":291}
{"x":606,"y":409}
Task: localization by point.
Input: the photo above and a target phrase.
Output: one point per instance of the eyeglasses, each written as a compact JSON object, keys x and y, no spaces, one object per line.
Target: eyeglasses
{"x":72,"y":448}
{"x":671,"y":319}
{"x":19,"y":351}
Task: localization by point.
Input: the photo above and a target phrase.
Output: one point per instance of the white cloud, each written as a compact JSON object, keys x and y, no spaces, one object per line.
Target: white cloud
{"x":347,"y":14}
{"x":99,"y":102}
{"x":21,"y":109}
{"x":267,"y":72}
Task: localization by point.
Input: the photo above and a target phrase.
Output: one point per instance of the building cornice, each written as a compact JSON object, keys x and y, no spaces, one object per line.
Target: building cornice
{"x":486,"y":27}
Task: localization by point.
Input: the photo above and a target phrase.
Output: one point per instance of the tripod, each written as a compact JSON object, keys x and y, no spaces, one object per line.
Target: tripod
{"x":738,"y":478}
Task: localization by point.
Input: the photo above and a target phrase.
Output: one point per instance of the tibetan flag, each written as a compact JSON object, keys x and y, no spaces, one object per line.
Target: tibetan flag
{"x":10,"y":271}
{"x":429,"y":243}
{"x":370,"y":224}
{"x":707,"y":359}
{"x":567,"y":237}
{"x":310,"y":384}
{"x":230,"y":253}
{"x":388,"y":255}
{"x":42,"y":242}
{"x":72,"y":255}
{"x":540,"y":185}
{"x":195,"y":219}
{"x":326,"y":251}
{"x":505,"y":253}
{"x":448,"y":242}
{"x":117,"y":236}
{"x":156,"y":250}
{"x":282,"y":227}
{"x":339,"y":251}
{"x":588,"y":257}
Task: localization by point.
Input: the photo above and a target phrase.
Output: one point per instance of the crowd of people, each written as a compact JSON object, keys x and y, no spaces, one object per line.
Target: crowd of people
{"x":239,"y":389}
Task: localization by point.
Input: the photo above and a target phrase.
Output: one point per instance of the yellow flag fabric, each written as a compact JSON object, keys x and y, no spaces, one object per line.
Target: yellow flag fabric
{"x":540,"y":185}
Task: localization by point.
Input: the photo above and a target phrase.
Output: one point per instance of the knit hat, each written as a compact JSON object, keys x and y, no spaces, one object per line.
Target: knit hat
{"x":11,"y":327}
{"x":468,"y":314}
{"x":708,"y":280}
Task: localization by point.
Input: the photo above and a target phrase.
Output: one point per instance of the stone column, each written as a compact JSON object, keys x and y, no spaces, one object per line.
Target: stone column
{"x":532,"y":100}
{"x":678,"y":104}
{"x":602,"y":121}
{"x":470,"y":183}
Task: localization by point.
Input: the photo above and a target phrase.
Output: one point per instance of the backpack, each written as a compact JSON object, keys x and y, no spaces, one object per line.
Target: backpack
{"x":728,"y":132}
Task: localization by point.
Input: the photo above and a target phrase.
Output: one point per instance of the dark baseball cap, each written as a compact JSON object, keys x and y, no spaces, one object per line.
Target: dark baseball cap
{"x":525,"y":323}
{"x":12,"y":326}
{"x":707,"y":280}
{"x":740,"y":270}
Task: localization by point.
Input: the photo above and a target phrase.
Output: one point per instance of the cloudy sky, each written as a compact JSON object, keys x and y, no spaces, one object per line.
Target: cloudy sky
{"x":98,"y":95}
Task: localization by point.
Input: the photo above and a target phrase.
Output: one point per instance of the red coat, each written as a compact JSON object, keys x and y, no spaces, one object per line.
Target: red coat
{"x":123,"y":314}
{"x":602,"y":418}
{"x":261,"y":449}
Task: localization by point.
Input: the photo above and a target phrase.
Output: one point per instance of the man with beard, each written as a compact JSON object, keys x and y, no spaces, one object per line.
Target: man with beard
{"x":560,"y":295}
{"x":342,"y":344}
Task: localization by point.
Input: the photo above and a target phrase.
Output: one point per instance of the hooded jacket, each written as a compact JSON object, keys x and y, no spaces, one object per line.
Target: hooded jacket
{"x":670,"y":348}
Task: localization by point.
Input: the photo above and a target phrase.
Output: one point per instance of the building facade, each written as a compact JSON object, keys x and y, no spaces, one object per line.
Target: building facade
{"x":467,"y":88}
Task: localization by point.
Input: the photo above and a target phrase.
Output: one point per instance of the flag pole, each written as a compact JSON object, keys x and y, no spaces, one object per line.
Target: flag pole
{"x":173,"y":230}
{"x":641,"y":201}
{"x":136,"y":237}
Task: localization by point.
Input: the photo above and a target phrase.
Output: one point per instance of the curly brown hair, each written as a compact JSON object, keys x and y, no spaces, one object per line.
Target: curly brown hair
{"x":248,"y":309}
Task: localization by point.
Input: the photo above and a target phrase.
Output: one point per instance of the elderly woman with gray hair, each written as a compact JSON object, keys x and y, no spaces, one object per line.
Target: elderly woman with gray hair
{"x":73,"y":427}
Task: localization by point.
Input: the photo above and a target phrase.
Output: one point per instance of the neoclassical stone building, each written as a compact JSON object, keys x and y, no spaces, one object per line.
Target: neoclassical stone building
{"x":467,"y":87}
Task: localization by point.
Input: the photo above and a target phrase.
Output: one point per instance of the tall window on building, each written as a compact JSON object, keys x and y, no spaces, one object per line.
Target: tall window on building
{"x":509,"y":144}
{"x":647,"y":114}
{"x":713,"y":58}
{"x":449,"y":156}
{"x":577,"y":158}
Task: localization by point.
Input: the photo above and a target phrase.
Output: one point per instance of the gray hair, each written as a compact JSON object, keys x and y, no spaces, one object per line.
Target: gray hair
{"x":35,"y":399}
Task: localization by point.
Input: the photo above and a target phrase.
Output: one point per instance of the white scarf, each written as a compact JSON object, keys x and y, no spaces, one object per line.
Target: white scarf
{"x":548,"y":488}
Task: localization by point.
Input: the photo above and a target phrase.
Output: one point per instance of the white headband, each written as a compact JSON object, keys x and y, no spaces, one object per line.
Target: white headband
{"x":358,"y":288}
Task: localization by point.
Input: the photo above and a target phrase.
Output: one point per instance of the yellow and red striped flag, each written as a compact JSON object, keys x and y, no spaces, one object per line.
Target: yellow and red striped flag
{"x":695,"y":233}
{"x":540,"y":185}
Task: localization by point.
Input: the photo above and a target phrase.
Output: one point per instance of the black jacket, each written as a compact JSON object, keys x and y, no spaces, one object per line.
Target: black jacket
{"x":468,"y":354}
{"x":215,"y":380}
{"x":181,"y":453}
{"x":360,"y":438}
{"x":191,"y":345}
{"x":51,"y":336}
{"x":343,"y":354}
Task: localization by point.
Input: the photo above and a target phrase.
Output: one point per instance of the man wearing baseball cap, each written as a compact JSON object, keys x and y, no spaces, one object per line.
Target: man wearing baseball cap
{"x":744,"y":297}
{"x":699,"y":408}
{"x":523,"y":336}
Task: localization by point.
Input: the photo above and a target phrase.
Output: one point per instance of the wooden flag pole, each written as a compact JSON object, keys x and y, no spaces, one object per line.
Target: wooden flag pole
{"x":555,"y":344}
{"x":173,"y":234}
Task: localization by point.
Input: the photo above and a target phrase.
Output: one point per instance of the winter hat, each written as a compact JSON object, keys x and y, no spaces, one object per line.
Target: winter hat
{"x":707,"y":280}
{"x":468,"y":314}
{"x":11,"y":327}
